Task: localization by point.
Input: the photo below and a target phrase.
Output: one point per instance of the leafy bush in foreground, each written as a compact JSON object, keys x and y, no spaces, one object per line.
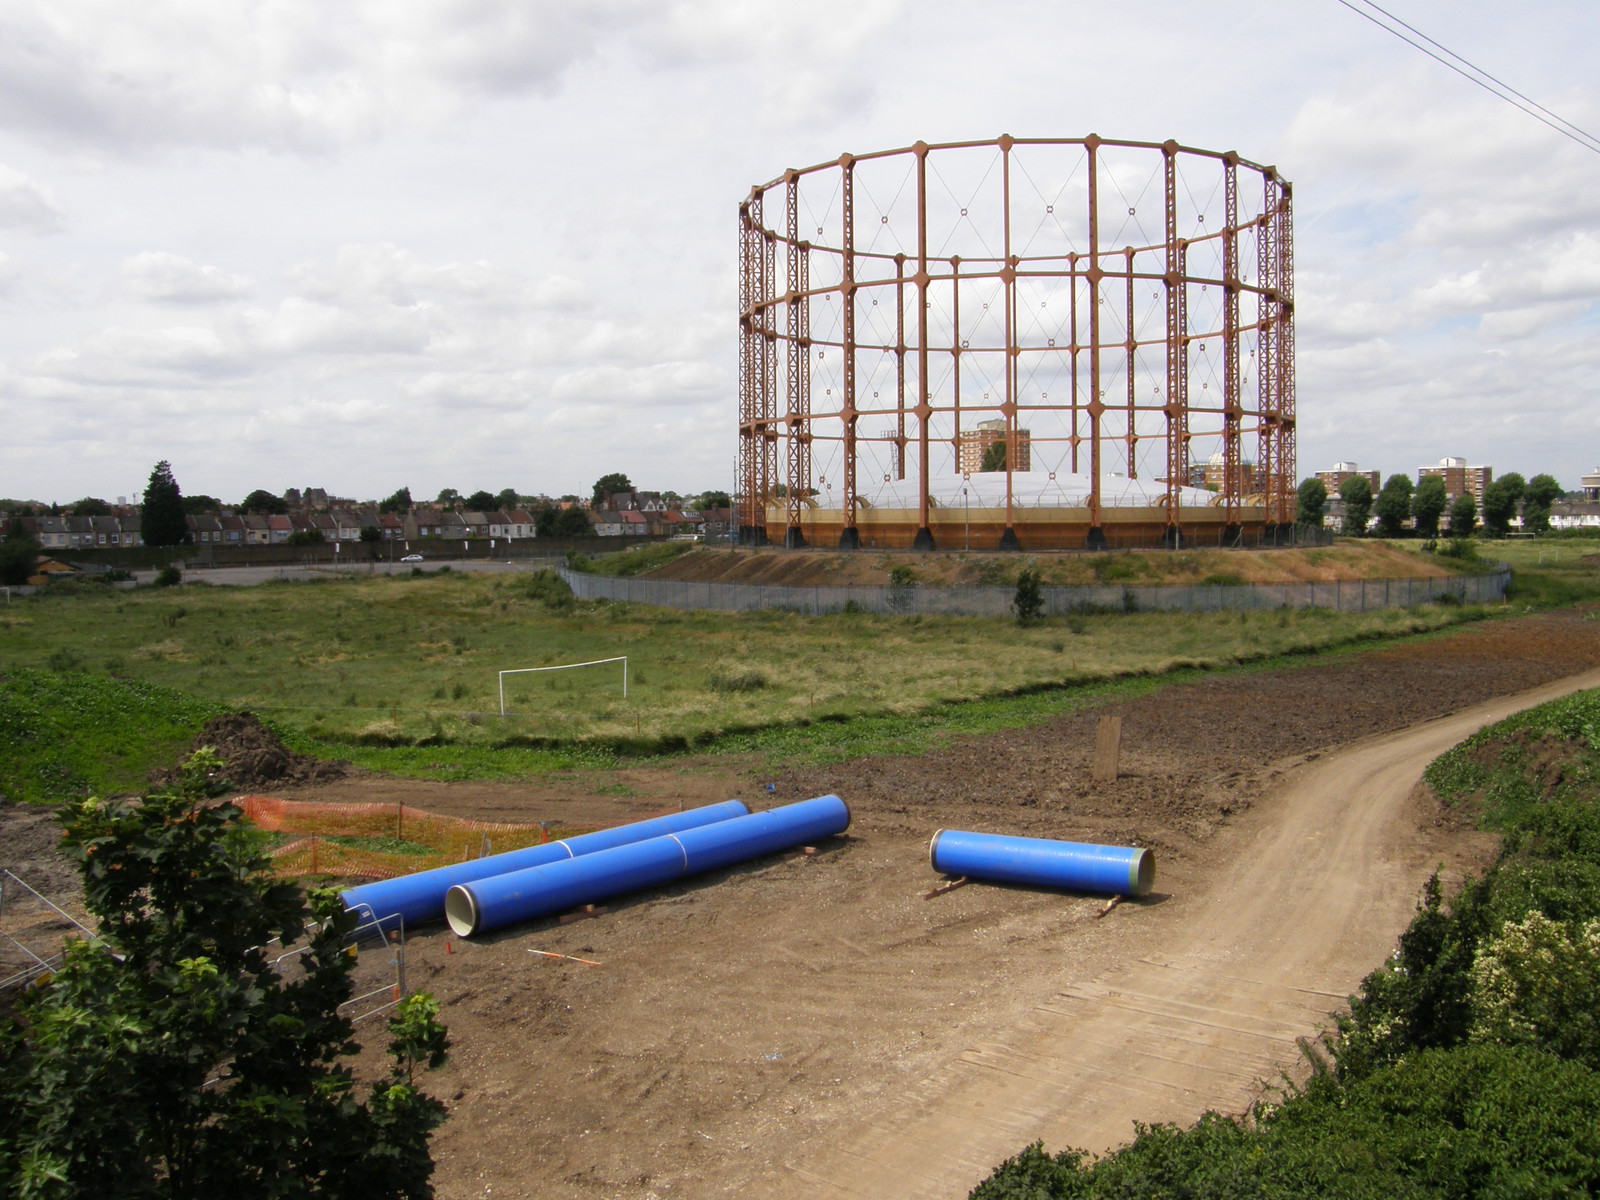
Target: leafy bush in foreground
{"x":1485,"y":1120}
{"x":175,"y":1056}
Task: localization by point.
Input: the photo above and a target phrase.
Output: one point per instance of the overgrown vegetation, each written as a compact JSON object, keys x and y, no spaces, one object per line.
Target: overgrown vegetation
{"x":1470,"y":1062}
{"x":401,"y":673}
{"x":1552,"y":571}
{"x":175,"y":1055}
{"x":630,"y":562}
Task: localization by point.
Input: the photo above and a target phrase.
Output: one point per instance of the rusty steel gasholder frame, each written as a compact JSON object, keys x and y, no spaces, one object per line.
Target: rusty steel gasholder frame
{"x":1119,"y":313}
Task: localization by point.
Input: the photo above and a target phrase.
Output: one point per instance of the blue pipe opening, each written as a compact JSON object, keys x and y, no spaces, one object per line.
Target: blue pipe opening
{"x":419,"y":897}
{"x":484,"y":905}
{"x":1040,"y":862}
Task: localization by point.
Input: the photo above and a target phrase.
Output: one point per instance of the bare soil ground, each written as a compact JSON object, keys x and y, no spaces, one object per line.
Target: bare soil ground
{"x":760,"y":1030}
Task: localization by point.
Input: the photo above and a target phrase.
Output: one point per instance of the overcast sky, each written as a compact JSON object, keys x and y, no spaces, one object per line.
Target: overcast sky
{"x":483,"y":244}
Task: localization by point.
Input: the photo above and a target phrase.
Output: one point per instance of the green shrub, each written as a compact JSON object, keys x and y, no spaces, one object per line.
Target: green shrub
{"x":63,"y":659}
{"x":1028,"y":603}
{"x":545,"y":587}
{"x":170,"y":1056}
{"x":902,"y":582}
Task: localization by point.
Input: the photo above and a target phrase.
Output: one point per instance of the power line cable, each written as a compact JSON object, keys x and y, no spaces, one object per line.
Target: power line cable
{"x":1500,"y":83}
{"x":1475,"y":74}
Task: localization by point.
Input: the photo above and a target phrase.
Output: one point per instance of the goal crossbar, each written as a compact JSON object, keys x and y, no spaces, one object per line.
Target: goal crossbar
{"x":599,"y":662}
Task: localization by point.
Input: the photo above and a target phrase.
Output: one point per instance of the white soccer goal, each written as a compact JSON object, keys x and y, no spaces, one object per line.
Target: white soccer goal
{"x":599,"y":662}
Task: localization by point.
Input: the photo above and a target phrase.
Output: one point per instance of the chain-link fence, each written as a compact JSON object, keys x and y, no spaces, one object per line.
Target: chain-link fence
{"x":1340,"y":595}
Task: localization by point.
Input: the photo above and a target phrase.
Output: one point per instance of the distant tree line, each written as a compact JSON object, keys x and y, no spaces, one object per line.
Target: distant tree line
{"x":1425,"y":505}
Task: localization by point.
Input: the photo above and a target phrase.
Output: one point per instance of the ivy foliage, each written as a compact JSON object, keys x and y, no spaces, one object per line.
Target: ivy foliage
{"x":1469,"y":1064}
{"x":179,"y":1053}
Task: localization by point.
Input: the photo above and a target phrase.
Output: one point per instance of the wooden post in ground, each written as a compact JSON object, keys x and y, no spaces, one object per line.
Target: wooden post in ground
{"x":1107,"y":750}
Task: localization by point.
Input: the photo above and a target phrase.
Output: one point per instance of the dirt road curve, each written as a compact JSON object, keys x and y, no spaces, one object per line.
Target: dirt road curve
{"x":1246,"y":967}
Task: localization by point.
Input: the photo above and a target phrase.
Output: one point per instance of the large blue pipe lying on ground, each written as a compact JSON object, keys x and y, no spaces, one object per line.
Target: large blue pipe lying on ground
{"x":420,"y":897}
{"x":489,"y":904}
{"x":1039,"y":862}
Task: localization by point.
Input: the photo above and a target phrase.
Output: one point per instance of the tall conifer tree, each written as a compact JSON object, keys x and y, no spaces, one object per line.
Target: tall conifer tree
{"x":161,"y":522}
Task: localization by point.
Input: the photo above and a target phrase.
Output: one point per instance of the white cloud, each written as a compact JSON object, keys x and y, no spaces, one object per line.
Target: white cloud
{"x":291,"y":74}
{"x":383,"y":273}
{"x":120,"y":355}
{"x":306,"y":327}
{"x":24,"y":204}
{"x":632,"y":388}
{"x":154,"y":275}
{"x":303,"y":76}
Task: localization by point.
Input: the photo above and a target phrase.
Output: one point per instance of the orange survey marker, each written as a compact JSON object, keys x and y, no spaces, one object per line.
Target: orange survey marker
{"x":588,"y":962}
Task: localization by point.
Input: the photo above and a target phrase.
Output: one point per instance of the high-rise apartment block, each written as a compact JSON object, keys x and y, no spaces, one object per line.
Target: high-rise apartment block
{"x":1342,"y":471}
{"x":1460,"y":479}
{"x":974,"y":444}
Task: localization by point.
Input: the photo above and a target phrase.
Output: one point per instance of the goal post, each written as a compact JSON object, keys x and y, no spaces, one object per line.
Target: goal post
{"x":599,"y":662}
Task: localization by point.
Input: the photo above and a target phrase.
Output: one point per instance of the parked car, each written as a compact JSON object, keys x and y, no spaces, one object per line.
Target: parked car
{"x":412,"y":558}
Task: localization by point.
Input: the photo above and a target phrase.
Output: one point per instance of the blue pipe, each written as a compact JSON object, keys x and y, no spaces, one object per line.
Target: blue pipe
{"x":420,"y":897}
{"x":1039,"y":862}
{"x":488,"y":904}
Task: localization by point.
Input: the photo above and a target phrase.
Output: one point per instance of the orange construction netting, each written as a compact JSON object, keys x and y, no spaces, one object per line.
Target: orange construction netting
{"x":380,"y":841}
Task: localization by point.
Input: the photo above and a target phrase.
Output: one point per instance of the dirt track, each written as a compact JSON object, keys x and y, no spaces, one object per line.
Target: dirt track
{"x":1205,"y":1004}
{"x":787,"y":1026}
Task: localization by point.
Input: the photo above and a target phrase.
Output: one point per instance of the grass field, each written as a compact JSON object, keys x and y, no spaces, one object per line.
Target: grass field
{"x":407,"y":666}
{"x":1549,"y":572}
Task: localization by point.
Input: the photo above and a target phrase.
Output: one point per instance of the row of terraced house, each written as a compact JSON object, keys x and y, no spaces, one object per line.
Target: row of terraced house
{"x":423,"y":523}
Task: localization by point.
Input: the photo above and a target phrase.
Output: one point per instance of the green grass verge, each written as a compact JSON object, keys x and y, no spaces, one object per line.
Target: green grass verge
{"x":1548,"y":572}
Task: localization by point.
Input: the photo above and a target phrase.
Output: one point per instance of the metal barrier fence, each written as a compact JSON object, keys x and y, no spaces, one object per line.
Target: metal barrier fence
{"x":33,"y":930}
{"x":1342,"y":596}
{"x":377,"y":975}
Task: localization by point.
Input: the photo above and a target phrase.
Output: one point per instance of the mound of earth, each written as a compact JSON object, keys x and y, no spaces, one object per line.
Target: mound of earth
{"x":254,"y":757}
